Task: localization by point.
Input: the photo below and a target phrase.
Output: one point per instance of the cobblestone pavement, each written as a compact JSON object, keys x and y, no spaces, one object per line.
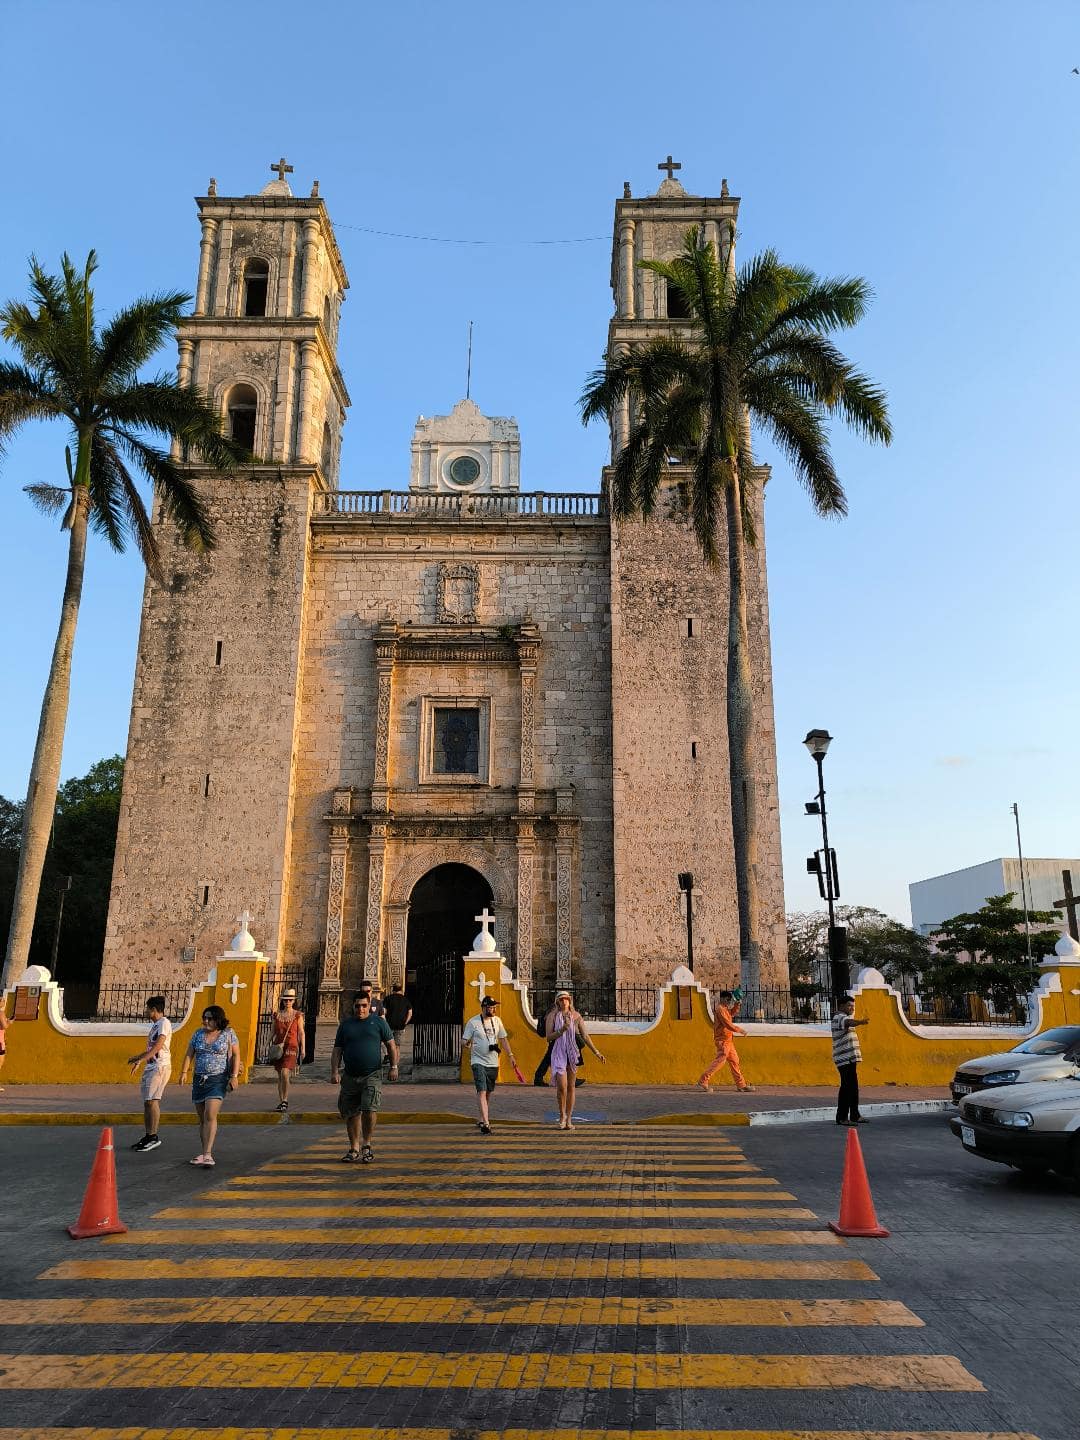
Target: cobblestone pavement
{"x":530,"y":1285}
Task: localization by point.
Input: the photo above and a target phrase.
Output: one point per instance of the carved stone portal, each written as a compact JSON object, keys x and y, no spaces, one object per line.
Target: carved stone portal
{"x":457,"y":593}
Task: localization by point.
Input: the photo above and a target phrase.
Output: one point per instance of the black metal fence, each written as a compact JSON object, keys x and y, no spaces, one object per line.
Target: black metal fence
{"x":777,"y":1005}
{"x":104,"y":1003}
{"x":601,"y":1002}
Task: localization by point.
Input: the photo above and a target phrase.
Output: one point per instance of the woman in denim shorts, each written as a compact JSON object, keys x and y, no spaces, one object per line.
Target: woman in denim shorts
{"x":215,"y":1053}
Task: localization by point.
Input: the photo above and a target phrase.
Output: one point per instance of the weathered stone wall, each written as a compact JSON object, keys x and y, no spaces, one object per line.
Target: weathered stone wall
{"x":230,"y":719}
{"x":670,"y":756}
{"x":365,"y":568}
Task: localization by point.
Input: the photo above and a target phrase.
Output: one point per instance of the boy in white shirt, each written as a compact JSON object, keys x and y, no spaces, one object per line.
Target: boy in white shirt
{"x":157,"y":1059}
{"x":485,"y":1034}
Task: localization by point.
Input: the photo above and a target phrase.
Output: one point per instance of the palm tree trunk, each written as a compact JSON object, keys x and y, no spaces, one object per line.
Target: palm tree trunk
{"x":740,"y":726}
{"x":48,"y":752}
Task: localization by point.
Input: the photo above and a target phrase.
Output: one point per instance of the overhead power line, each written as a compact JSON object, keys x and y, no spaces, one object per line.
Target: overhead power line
{"x":451,"y":240}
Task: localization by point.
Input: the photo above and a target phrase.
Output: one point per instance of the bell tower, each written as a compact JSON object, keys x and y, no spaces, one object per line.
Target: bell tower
{"x":205,"y":826}
{"x":653,"y":228}
{"x":262,"y":341}
{"x":670,"y":772}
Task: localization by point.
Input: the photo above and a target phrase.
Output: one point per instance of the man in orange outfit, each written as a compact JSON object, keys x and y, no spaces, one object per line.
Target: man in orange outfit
{"x":724,"y":1032}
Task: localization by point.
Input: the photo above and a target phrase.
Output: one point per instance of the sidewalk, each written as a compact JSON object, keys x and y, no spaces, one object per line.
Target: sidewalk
{"x":316,"y":1101}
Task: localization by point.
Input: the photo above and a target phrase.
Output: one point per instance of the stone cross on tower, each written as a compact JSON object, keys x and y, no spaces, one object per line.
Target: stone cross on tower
{"x":283,"y":169}
{"x":670,"y":166}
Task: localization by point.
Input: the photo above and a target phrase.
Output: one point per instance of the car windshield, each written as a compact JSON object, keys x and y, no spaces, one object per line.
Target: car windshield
{"x":1051,"y":1042}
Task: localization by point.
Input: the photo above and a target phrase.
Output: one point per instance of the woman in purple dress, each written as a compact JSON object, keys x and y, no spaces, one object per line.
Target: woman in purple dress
{"x":566,"y":1030}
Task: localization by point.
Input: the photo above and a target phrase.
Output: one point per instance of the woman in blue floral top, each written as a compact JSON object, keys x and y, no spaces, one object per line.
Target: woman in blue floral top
{"x":215,"y":1052}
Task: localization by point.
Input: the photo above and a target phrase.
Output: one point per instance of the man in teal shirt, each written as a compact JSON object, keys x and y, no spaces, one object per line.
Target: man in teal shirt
{"x":359,"y":1044}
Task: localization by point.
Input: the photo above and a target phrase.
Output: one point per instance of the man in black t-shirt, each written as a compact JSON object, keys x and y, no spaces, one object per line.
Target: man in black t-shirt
{"x":398,"y":1012}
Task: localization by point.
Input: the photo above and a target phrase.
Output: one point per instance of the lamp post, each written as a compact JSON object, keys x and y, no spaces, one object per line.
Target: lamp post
{"x":818,"y":742}
{"x":686,"y":885}
{"x":62,"y":891}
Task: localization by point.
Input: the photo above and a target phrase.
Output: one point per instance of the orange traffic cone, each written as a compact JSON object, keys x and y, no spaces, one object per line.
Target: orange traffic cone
{"x":100,"y":1214}
{"x":857,"y":1215}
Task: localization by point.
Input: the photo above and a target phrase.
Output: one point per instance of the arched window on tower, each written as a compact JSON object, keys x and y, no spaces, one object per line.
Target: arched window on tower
{"x":242,"y":408}
{"x":327,"y":449}
{"x":256,"y":281}
{"x":677,"y":306}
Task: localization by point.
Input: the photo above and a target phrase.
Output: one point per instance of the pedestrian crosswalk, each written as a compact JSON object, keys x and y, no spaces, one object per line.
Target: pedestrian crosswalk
{"x":608,"y":1285}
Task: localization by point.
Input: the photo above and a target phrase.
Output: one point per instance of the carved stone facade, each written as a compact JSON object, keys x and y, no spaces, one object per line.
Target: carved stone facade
{"x":462,"y":673}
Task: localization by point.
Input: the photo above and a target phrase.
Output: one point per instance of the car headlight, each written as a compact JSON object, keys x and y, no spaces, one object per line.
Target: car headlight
{"x":1001,"y":1077}
{"x":1020,"y":1119}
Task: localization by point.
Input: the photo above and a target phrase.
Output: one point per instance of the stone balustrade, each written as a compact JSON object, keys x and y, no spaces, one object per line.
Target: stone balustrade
{"x":527,"y":505}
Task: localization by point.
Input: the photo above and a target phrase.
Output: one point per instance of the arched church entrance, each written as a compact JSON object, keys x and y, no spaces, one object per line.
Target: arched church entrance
{"x":442,"y":926}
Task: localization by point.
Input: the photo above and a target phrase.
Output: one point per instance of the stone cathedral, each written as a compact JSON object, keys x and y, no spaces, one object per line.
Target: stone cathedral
{"x":365,"y":715}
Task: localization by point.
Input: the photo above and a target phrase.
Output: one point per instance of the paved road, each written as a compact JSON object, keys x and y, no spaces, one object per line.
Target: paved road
{"x":537,"y":1284}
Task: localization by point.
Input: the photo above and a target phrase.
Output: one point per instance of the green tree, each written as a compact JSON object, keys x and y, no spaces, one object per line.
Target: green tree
{"x":874,"y":939}
{"x":985,"y":953}
{"x":81,"y":849}
{"x":757,"y":350}
{"x":88,"y":379}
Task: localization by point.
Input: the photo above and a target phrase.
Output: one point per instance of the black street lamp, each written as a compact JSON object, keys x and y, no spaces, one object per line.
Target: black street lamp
{"x":823,"y":864}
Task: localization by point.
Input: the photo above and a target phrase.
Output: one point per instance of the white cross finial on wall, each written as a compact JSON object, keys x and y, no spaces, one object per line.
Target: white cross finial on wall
{"x":244,"y":919}
{"x":484,"y":944}
{"x":234,"y":987}
{"x":243,"y":942}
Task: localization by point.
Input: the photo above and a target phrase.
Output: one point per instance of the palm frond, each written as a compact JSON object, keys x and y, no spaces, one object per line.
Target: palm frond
{"x":136,"y":333}
{"x":165,"y":408}
{"x":129,"y":511}
{"x":49,"y":499}
{"x":106,"y":481}
{"x":179,"y":498}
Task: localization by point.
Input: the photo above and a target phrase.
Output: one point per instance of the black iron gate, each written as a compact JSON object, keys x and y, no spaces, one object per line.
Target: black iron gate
{"x":437,"y":986}
{"x":275,"y":979}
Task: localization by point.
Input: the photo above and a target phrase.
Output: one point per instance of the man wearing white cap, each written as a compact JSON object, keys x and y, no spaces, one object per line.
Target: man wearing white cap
{"x":486,"y":1037}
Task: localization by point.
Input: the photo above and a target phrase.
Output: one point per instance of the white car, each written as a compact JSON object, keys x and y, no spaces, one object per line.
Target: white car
{"x":1053,"y":1055}
{"x":1034,"y":1128}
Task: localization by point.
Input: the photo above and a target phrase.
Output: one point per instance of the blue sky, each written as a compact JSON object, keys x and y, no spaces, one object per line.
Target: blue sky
{"x":932,"y":148}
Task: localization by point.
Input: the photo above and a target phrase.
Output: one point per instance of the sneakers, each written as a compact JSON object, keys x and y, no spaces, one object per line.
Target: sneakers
{"x":148,"y":1142}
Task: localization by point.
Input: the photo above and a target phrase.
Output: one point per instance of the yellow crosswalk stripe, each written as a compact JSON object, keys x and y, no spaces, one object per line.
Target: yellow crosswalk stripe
{"x":409,"y":1432}
{"x":452,"y":1309}
{"x":510,"y":1168}
{"x":454,"y":1196}
{"x":468,"y":1267}
{"x":533,"y":1188}
{"x":454,"y":1235}
{"x":425,"y":1207}
{"x":480,"y":1370}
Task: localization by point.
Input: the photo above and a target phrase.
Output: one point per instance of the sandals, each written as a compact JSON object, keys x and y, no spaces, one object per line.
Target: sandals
{"x":204,"y":1160}
{"x":367,"y":1155}
{"x":350,"y":1157}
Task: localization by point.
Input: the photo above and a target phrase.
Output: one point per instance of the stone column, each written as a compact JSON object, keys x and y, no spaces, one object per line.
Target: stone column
{"x":286,"y":275}
{"x":397,"y":926}
{"x":373,"y":927}
{"x":185,"y":351}
{"x":311,"y":241}
{"x":528,"y":648}
{"x":385,"y":652}
{"x":206,"y":256}
{"x":308,"y":352}
{"x":221,"y":268}
{"x":626,"y":269}
{"x":330,"y":978}
{"x":565,"y":827}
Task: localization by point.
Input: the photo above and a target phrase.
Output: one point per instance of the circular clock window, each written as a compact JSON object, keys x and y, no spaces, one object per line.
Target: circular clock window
{"x":463,"y":470}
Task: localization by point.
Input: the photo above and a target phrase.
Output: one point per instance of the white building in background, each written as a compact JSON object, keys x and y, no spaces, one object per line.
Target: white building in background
{"x":962,"y":891}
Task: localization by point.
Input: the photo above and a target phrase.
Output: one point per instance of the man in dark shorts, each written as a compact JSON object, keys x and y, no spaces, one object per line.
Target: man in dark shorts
{"x":357,"y":1064}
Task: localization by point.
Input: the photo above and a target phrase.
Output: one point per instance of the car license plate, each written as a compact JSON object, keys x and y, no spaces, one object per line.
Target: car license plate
{"x":961,"y":1089}
{"x":967,"y":1135}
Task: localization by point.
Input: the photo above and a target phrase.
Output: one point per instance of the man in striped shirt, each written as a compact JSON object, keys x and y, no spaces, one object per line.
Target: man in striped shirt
{"x":846,"y":1056}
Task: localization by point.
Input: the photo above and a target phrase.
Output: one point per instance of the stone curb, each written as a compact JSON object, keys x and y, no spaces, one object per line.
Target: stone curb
{"x":820,"y":1114}
{"x":823,"y":1113}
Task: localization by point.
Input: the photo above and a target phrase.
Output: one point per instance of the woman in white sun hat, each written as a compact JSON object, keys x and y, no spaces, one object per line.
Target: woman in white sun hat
{"x":566,"y":1030}
{"x":286,"y":1044}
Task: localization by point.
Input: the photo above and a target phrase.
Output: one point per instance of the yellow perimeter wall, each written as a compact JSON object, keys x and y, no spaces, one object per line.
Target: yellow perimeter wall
{"x":51,"y":1051}
{"x":675,"y":1052}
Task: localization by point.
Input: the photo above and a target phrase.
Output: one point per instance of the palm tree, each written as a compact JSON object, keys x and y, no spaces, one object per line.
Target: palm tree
{"x":758,"y":350}
{"x":89,"y":379}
